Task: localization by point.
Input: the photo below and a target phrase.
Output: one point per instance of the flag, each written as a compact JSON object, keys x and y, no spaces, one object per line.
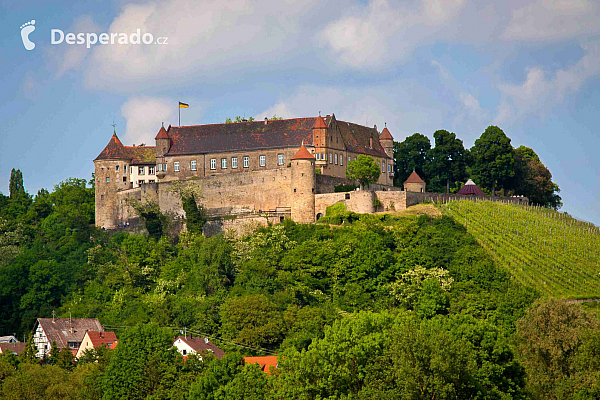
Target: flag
{"x":183,"y":105}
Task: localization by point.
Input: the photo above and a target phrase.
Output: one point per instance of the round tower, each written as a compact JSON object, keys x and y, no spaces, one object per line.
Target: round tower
{"x":387,"y":141}
{"x":303,"y":186}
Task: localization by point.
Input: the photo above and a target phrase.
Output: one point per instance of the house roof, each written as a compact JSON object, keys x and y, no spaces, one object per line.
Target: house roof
{"x":385,"y":134}
{"x":102,"y":338}
{"x":266,"y":363}
{"x":13,"y":347}
{"x":303,"y":154}
{"x":471,"y":188}
{"x":200,"y":344}
{"x":162,"y":133}
{"x":414,"y":178}
{"x":8,"y":339}
{"x":115,"y":150}
{"x":357,"y":138}
{"x":62,"y":331}
{"x":319,"y":123}
{"x":255,"y":135}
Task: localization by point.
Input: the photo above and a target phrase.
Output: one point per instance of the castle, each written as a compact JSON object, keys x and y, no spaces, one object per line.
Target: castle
{"x":274,"y":168}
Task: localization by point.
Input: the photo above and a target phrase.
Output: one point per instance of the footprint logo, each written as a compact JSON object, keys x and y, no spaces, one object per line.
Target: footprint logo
{"x":26,"y":29}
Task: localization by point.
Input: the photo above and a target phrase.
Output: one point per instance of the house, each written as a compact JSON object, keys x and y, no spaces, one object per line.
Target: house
{"x":414,"y":183}
{"x":8,"y":339}
{"x":12,"y":347}
{"x":187,"y":345}
{"x":94,"y":339}
{"x":267,"y":363}
{"x":66,"y":332}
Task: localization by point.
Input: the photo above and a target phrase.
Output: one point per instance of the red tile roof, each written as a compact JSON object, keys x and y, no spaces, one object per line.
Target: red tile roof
{"x":414,"y":178}
{"x":102,"y":339}
{"x":319,"y":123}
{"x":471,"y":188}
{"x":199,"y":344}
{"x":115,"y":150}
{"x":357,"y":139}
{"x":303,"y":154}
{"x":63,"y":330}
{"x":385,"y":134}
{"x":162,"y":133}
{"x":266,"y":363}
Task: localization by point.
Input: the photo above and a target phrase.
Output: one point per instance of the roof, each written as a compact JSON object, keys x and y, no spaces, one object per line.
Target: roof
{"x":303,"y":154}
{"x":59,"y":330}
{"x":255,"y":135}
{"x":115,"y":150}
{"x":357,"y":139}
{"x":319,"y":123}
{"x":8,"y":339}
{"x":471,"y":188}
{"x":16,"y":348}
{"x":162,"y":133}
{"x":385,"y":134}
{"x":102,"y":338}
{"x":414,"y":178}
{"x":200,"y":344}
{"x":266,"y":362}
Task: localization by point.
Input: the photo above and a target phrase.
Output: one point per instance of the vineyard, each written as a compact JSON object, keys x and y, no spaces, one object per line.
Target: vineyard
{"x":550,"y":251}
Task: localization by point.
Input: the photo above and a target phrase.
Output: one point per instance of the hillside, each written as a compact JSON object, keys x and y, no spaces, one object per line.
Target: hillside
{"x":544,"y":249}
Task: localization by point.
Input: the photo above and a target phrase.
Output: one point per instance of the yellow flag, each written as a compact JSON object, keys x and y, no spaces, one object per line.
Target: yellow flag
{"x":183,"y":105}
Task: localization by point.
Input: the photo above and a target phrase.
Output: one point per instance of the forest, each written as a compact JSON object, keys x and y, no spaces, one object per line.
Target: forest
{"x":357,"y":306}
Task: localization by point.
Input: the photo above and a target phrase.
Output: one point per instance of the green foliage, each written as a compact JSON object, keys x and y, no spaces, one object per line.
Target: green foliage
{"x":448,"y":162}
{"x":344,"y":188}
{"x":493,"y":160}
{"x":335,"y":209}
{"x":364,"y":170}
{"x":543,"y":249}
{"x":155,"y":222}
{"x":413,"y":154}
{"x":534,"y":180}
{"x":195,"y":214}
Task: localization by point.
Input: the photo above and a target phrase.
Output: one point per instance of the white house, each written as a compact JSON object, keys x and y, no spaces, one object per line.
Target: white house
{"x":187,"y":345}
{"x":66,"y":332}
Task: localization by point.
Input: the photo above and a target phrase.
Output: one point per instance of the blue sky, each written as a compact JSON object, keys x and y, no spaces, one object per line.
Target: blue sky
{"x":530,"y":67}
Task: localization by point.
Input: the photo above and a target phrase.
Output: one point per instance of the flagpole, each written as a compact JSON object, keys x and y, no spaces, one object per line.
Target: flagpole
{"x":179,"y":108}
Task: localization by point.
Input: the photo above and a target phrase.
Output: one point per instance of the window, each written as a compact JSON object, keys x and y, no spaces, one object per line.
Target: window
{"x":193,"y":165}
{"x":233,"y":162}
{"x":107,"y":179}
{"x":330,"y":158}
{"x":246,"y":162}
{"x":184,"y":352}
{"x":223,"y":163}
{"x":125,"y":168}
{"x":165,"y":167}
{"x":101,"y":198}
{"x":140,"y":170}
{"x":341,"y":159}
{"x":263,"y":161}
{"x":383,"y":166}
{"x":151,"y":170}
{"x":140,"y":182}
{"x":124,"y":179}
{"x":279,"y":159}
{"x":159,"y":167}
{"x":213,"y":163}
{"x":389,"y":168}
{"x":176,"y":166}
{"x":150,"y":180}
{"x":335,"y":158}
{"x":317,"y":156}
{"x":117,"y":168}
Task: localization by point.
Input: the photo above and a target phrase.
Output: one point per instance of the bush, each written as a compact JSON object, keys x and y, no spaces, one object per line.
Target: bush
{"x":344,"y":188}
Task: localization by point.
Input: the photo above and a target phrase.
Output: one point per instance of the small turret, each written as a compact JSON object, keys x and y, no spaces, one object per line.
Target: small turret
{"x":387,"y":141}
{"x":163,"y":142}
{"x":303,"y":186}
{"x":319,"y":131}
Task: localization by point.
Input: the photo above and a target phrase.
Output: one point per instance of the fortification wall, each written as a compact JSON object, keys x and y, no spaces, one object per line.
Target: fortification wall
{"x":327,"y":184}
{"x":246,"y":191}
{"x":391,"y":200}
{"x":413,"y":198}
{"x":240,"y":225}
{"x":360,"y":201}
{"x":147,"y":192}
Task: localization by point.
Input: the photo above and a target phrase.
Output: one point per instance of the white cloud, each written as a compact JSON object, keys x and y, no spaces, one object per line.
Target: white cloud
{"x":470,"y":103}
{"x":554,"y":19}
{"x":71,"y":57}
{"x":144,"y":116}
{"x":541,"y":91}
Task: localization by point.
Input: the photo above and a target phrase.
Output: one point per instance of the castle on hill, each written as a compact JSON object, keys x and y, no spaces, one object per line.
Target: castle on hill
{"x":274,"y":168}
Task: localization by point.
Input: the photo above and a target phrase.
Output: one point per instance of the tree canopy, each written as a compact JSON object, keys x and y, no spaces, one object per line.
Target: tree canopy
{"x":364,"y":170}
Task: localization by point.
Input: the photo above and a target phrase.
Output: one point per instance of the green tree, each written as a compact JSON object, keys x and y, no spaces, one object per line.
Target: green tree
{"x":493,"y":160}
{"x":154,"y":220}
{"x":411,"y":155}
{"x":28,"y":354}
{"x":448,"y":161}
{"x":534,"y":180}
{"x":15,"y":187}
{"x":364,"y":169}
{"x":54,"y":353}
{"x":195,"y":214}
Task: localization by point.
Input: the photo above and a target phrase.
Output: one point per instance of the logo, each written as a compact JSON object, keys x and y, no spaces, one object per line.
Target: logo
{"x":26,"y":29}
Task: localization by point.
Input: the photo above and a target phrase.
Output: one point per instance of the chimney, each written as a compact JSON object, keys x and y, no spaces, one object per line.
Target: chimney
{"x":266,"y":120}
{"x":205,"y":340}
{"x":370,"y":142}
{"x":53,"y":316}
{"x":375,"y":126}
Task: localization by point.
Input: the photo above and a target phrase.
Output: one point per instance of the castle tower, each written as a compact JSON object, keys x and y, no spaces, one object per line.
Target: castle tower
{"x":414,"y":183}
{"x":111,"y":174}
{"x":303,"y":186}
{"x":163,"y":145}
{"x":387,"y":142}
{"x":319,"y":132}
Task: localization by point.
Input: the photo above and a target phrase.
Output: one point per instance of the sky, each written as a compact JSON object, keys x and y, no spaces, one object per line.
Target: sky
{"x":530,"y":67}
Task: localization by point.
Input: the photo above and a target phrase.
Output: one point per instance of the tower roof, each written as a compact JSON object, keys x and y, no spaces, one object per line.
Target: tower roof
{"x":114,"y":150}
{"x":319,"y":123}
{"x":471,"y":188}
{"x":414,"y":178}
{"x":385,"y":134}
{"x":162,"y":134}
{"x":303,"y":154}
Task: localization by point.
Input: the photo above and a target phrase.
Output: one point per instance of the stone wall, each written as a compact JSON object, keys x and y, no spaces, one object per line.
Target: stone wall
{"x":327,"y":184}
{"x":391,"y":200}
{"x":358,"y":201}
{"x":240,"y":225}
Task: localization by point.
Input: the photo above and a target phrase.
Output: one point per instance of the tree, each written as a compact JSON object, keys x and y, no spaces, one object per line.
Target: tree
{"x":28,"y":354}
{"x":195,"y":215}
{"x":493,"y":160}
{"x":15,"y":187}
{"x":411,"y":155}
{"x":156,"y":222}
{"x":534,"y":180}
{"x":364,"y":169}
{"x":448,"y":161}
